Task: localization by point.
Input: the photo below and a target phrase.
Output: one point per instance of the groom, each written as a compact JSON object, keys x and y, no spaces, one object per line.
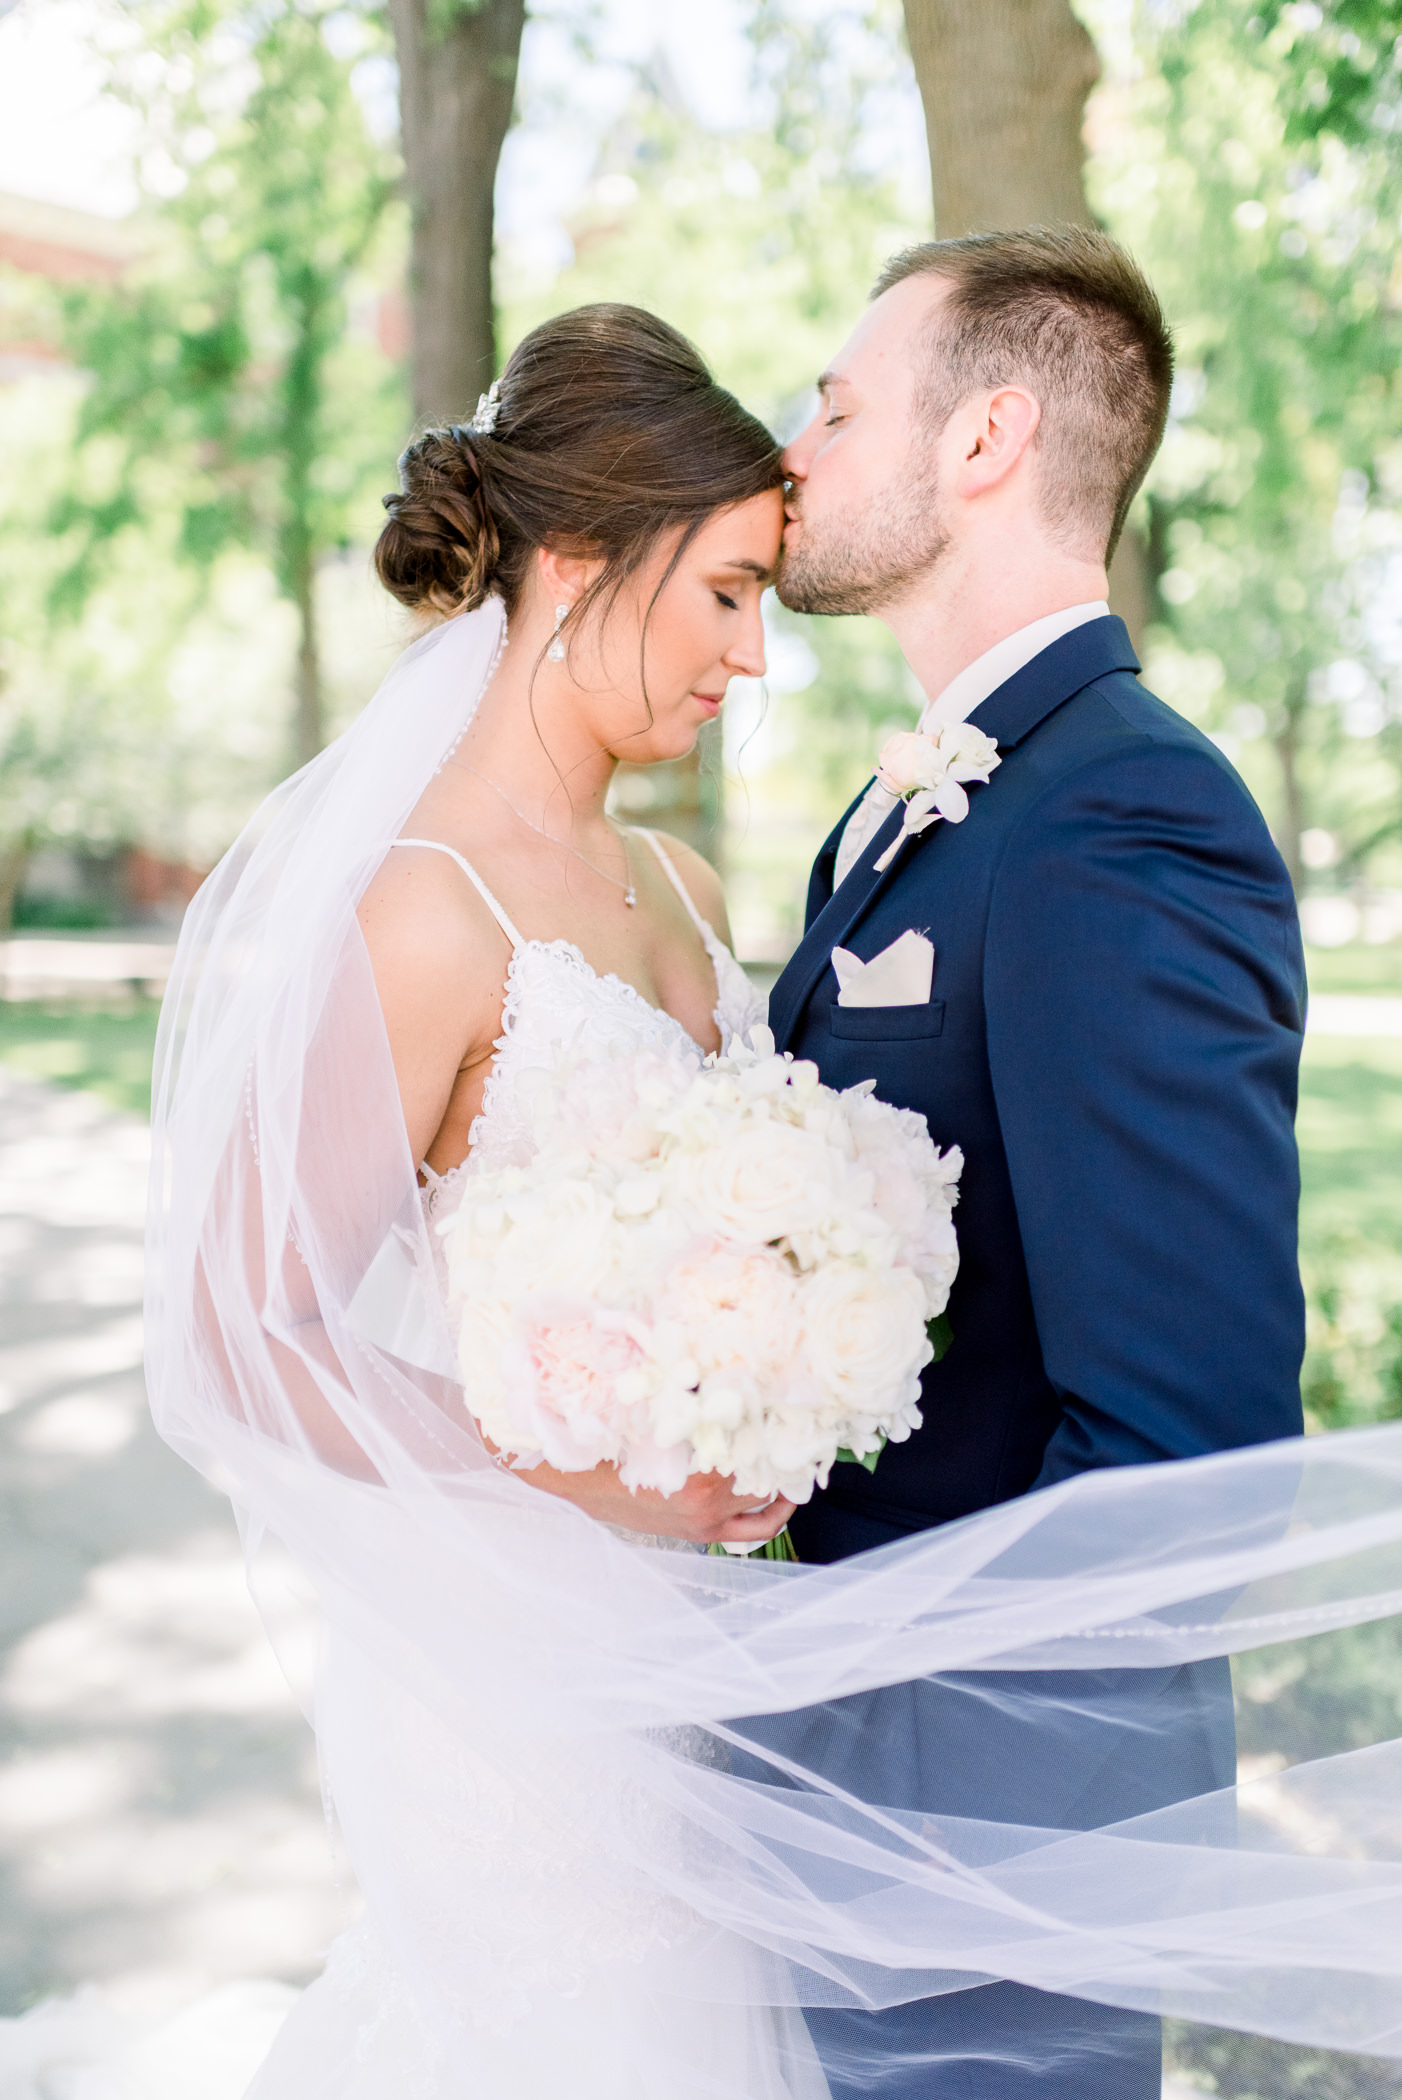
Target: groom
{"x":1109,"y":1027}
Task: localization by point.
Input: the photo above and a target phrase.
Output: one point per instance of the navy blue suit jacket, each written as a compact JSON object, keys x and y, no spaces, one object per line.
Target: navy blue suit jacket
{"x":1113,"y":1040}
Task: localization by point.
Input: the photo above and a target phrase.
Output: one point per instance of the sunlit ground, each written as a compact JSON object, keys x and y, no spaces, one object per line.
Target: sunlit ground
{"x":160,"y":1819}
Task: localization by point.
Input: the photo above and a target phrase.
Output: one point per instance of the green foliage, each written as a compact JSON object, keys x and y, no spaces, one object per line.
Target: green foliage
{"x":761,"y":244}
{"x":1256,"y":169}
{"x":1350,"y":1128}
{"x":99,"y":1051}
{"x":228,"y":393}
{"x":82,"y":703}
{"x":1245,"y":2067}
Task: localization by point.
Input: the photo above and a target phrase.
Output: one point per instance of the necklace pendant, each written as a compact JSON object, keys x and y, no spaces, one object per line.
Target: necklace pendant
{"x":630,"y":896}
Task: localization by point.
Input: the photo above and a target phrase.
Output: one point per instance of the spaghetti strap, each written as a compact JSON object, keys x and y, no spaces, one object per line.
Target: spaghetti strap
{"x":706,"y":931}
{"x":437,"y":846}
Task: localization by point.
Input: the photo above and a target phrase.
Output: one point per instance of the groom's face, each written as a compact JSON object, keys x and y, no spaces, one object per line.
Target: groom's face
{"x":865,"y":521}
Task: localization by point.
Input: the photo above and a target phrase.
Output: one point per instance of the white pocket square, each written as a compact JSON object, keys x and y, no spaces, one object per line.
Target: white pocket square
{"x":900,"y":975}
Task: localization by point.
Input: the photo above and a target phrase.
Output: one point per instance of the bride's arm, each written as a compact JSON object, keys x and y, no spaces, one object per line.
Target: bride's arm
{"x":439,"y":961}
{"x":707,"y":1510}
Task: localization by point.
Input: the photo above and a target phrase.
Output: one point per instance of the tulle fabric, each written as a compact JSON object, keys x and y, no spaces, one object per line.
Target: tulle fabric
{"x":644,"y":1786}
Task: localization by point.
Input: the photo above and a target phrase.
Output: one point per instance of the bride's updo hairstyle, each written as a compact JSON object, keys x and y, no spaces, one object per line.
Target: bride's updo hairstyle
{"x":609,"y":433}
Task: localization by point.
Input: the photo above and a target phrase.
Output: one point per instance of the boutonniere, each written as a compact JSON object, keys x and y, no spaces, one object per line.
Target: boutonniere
{"x":929,"y":773}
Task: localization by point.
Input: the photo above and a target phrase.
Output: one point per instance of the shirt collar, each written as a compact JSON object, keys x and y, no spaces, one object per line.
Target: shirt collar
{"x":997,"y":665}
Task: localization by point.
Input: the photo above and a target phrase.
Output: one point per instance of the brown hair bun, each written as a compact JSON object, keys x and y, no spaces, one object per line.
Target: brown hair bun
{"x":610,"y":431}
{"x":440,"y":546}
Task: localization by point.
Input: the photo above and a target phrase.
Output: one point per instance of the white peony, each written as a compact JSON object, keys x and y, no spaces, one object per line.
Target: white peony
{"x":741,"y":1305}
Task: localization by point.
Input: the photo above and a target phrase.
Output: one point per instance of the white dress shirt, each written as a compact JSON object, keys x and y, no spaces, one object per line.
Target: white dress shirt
{"x":956,"y":703}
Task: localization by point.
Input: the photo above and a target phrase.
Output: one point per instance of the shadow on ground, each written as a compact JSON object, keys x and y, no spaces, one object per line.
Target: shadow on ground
{"x":161,"y":1827}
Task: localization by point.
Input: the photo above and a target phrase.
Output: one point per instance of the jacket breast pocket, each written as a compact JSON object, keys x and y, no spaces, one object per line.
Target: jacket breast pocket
{"x":887,"y":1024}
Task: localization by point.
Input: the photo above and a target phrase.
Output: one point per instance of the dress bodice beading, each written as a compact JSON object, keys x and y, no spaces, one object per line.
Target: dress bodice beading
{"x":554,"y":998}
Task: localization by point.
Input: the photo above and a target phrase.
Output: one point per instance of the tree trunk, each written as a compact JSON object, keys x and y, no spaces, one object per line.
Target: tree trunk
{"x":1292,"y":800}
{"x":14,"y":860}
{"x":457,"y":81}
{"x":310,"y":723}
{"x":302,"y":406}
{"x":1004,"y":84}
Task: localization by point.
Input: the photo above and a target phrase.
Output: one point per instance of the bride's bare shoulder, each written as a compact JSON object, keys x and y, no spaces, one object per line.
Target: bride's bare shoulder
{"x":431,"y":937}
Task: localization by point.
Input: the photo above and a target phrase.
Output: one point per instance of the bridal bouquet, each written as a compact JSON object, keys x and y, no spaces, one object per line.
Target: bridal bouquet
{"x":705,"y":1267}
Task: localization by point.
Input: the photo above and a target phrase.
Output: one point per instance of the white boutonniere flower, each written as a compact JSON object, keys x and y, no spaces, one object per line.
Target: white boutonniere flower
{"x":930,"y":772}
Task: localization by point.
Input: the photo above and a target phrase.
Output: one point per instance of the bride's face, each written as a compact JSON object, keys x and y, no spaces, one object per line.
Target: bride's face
{"x":651,"y":675}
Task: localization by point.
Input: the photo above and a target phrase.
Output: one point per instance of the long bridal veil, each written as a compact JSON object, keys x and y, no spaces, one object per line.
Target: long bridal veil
{"x":716,"y":1730}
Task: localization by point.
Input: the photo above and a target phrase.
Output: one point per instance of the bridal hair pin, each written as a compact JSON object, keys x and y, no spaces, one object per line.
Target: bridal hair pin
{"x":484,"y":421}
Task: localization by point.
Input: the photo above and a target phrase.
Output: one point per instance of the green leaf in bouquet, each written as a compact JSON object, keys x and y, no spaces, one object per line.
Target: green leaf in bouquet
{"x":867,"y":1459}
{"x":941,"y":1335}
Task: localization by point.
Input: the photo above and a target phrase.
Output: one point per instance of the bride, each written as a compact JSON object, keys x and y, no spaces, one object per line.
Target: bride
{"x":610,"y":1801}
{"x":628,"y":514}
{"x":601,"y":533}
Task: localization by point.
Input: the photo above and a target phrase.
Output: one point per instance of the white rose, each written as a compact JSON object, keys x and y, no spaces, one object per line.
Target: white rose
{"x":908,"y":761}
{"x":767,"y":1180}
{"x":865,"y":1335}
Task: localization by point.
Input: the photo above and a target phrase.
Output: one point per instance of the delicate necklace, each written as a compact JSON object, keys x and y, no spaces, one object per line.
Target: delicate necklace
{"x":630,"y":895}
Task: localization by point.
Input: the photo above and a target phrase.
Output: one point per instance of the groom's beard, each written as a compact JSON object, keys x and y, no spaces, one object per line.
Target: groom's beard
{"x":864,"y":564}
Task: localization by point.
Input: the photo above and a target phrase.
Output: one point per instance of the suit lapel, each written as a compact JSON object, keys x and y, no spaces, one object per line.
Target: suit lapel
{"x":1008,"y":715}
{"x":820,"y":881}
{"x":832,"y":925}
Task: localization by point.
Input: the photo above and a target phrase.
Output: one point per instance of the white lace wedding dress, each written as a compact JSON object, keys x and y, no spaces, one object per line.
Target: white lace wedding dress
{"x":540,"y":1942}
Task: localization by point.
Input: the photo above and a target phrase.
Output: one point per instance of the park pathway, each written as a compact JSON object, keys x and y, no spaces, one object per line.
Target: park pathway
{"x":161,"y":1828}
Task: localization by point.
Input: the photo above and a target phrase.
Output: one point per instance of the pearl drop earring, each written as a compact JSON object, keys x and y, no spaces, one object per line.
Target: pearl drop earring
{"x":556,"y":651}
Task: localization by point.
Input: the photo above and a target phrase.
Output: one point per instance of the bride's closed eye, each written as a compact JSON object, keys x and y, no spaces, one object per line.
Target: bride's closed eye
{"x":729,"y":603}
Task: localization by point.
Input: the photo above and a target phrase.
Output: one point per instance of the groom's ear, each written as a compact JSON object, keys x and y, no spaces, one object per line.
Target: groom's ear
{"x":995,"y":433}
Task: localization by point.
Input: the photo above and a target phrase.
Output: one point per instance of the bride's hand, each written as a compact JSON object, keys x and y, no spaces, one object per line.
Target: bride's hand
{"x":707,"y":1510}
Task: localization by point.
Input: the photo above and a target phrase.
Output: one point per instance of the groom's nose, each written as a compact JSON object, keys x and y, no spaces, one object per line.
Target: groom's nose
{"x":798,"y":456}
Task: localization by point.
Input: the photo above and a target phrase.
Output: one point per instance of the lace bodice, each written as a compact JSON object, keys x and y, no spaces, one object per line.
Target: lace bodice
{"x":554,"y":997}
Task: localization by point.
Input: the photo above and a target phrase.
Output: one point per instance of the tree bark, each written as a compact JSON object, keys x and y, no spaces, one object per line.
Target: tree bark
{"x":14,"y":860}
{"x":457,"y":82}
{"x":1004,"y":84}
{"x":1291,"y":823}
{"x":310,"y":717}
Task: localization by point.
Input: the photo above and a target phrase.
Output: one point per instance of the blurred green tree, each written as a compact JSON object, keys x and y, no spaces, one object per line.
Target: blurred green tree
{"x":225,"y":382}
{"x":1256,"y":167}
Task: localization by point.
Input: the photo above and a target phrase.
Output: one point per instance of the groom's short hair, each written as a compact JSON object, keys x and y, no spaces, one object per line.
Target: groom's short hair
{"x":1065,"y":312}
